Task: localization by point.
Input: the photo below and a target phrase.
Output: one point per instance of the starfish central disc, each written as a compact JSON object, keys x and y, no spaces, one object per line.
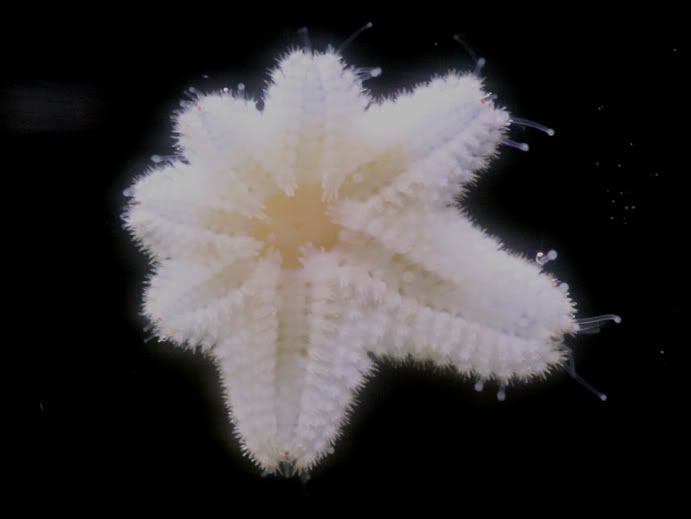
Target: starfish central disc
{"x":295,"y":221}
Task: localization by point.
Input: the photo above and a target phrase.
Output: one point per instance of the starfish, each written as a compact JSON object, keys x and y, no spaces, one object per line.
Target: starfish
{"x":298,"y":243}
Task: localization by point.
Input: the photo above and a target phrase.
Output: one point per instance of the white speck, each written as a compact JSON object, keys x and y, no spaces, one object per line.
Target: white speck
{"x":662,"y":352}
{"x":205,"y":76}
{"x":241,"y":87}
{"x":225,"y":89}
{"x":597,"y":163}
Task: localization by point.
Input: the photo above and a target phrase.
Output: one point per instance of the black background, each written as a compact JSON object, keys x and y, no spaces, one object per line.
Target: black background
{"x":85,"y":103}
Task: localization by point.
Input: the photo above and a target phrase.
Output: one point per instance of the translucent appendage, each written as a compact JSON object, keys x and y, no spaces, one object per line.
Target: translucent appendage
{"x":571,"y":369}
{"x":593,"y":324}
{"x":542,"y":259}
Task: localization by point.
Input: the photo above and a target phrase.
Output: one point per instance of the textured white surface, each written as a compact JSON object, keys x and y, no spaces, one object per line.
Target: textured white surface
{"x":291,"y":242}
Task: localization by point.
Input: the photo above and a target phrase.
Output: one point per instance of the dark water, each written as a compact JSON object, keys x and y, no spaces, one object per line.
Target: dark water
{"x":119,"y":417}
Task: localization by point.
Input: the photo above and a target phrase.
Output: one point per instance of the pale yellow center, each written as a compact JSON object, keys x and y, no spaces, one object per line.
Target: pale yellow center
{"x":294,"y":221}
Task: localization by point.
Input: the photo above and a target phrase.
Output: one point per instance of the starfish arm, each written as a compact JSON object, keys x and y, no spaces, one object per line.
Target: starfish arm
{"x":175,"y":212}
{"x":246,"y":357}
{"x":221,"y":135}
{"x":338,"y":335}
{"x":424,"y":333}
{"x":434,"y":140}
{"x":310,"y":118}
{"x":190,"y":302}
{"x":217,"y":131}
{"x":453,"y":267}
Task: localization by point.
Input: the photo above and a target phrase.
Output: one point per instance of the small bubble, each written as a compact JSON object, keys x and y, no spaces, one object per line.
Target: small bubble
{"x":128,"y":192}
{"x":225,"y":90}
{"x":156,"y":159}
{"x":626,"y":207}
{"x":436,"y":44}
{"x":597,"y":163}
{"x":633,"y":207}
{"x":205,"y":76}
{"x":662,"y":352}
{"x":601,"y":107}
{"x":241,"y":87}
{"x":619,"y":165}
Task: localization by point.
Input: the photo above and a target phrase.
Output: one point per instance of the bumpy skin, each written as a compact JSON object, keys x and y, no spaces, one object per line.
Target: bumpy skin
{"x":397,"y":269}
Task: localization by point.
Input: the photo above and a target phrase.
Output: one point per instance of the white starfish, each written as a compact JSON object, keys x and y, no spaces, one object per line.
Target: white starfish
{"x":291,"y":243}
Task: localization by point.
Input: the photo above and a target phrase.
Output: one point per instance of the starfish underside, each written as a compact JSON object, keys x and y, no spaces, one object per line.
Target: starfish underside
{"x":294,"y":242}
